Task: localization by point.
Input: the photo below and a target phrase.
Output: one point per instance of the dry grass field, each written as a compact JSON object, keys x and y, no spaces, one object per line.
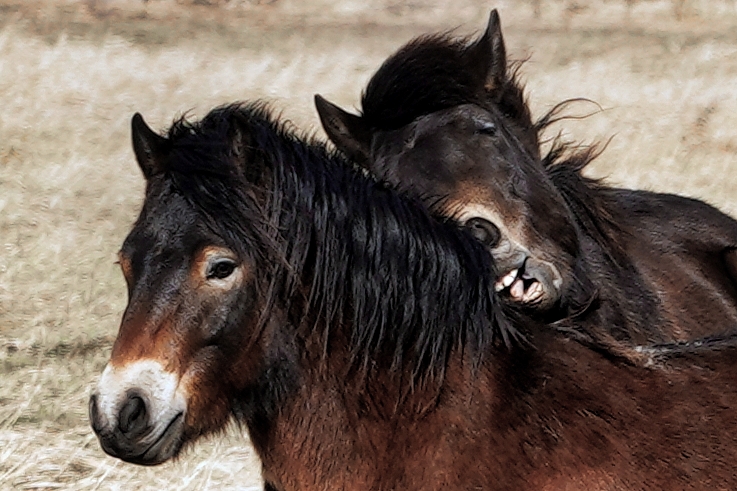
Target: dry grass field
{"x":73,"y":73}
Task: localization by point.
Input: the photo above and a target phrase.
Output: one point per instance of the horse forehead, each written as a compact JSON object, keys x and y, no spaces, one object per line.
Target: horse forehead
{"x":164,"y":218}
{"x":478,"y":197}
{"x":452,"y":116}
{"x":459,"y":158}
{"x":444,"y":154}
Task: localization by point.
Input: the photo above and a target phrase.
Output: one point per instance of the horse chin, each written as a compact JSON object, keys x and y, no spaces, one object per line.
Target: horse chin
{"x":166,"y":446}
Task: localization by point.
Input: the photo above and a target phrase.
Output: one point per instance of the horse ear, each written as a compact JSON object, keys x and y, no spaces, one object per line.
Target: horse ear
{"x":347,"y":131}
{"x":489,"y":52}
{"x":240,"y":140}
{"x":241,"y":146}
{"x":150,"y":147}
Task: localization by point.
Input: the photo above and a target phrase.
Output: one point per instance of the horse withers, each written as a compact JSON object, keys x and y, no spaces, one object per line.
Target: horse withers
{"x":359,"y":339}
{"x":446,"y":119}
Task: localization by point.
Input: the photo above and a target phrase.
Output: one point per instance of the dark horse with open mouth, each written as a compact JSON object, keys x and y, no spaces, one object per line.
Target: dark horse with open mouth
{"x":359,"y":339}
{"x":446,"y":119}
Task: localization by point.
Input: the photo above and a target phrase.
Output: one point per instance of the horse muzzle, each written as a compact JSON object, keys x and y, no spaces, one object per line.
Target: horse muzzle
{"x":528,"y":281}
{"x":138,"y":414}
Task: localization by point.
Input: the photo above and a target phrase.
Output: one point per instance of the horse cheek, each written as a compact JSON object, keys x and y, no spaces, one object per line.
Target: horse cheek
{"x":206,"y":392}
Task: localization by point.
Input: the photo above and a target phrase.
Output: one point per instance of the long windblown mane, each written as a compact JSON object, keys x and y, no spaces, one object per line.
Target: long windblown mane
{"x":412,"y":286}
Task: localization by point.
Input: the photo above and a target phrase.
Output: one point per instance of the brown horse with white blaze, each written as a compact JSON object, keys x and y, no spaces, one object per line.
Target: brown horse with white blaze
{"x":359,"y":340}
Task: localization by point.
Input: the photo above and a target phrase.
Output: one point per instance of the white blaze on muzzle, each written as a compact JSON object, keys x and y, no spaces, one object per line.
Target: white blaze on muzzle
{"x":147,"y":379}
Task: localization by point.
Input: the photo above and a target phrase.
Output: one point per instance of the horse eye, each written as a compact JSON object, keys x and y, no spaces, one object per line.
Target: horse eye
{"x":220,"y":269}
{"x":485,"y":231}
{"x":486,"y":128}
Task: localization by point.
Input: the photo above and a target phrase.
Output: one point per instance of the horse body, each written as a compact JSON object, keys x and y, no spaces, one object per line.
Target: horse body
{"x":271,"y":283}
{"x":446,"y":119}
{"x":570,"y":421}
{"x":690,"y":257}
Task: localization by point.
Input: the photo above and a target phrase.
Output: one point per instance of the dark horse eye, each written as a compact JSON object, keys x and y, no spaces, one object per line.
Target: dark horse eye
{"x":220,"y":269}
{"x":486,"y":128}
{"x":485,"y":231}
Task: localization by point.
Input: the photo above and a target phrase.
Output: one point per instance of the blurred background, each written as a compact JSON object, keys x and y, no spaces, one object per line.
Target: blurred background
{"x":72,"y":73}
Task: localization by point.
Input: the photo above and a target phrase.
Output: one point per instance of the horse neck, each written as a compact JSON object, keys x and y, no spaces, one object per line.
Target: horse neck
{"x":404,"y":288}
{"x":391,"y":299}
{"x":626,"y":309}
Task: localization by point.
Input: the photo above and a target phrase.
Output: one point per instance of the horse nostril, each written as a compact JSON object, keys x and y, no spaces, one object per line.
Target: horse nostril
{"x":133,"y":417}
{"x":94,"y":414}
{"x":485,"y":231}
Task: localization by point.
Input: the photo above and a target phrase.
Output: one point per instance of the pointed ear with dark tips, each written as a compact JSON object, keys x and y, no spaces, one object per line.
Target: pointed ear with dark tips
{"x":347,"y":131}
{"x":150,"y":147}
{"x":489,"y":55}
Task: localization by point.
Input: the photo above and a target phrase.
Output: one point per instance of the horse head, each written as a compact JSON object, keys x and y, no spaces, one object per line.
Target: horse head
{"x":445,"y":119}
{"x":189,"y":337}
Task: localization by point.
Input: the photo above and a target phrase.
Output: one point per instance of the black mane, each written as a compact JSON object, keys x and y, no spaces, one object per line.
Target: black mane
{"x":412,"y":286}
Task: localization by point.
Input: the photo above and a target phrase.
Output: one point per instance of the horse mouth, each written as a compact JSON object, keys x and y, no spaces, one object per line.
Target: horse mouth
{"x":520,"y":286}
{"x":164,"y":447}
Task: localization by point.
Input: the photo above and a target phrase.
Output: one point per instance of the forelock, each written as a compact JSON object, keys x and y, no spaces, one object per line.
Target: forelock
{"x":428,"y":74}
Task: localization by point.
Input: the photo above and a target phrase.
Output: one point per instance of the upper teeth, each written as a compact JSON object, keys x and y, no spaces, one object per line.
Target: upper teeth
{"x":510,"y":277}
{"x":506,"y":281}
{"x":516,"y":287}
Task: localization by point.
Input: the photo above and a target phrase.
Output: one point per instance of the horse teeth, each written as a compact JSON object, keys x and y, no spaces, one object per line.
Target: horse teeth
{"x":535,"y":292}
{"x":510,"y":277}
{"x":498,"y":286}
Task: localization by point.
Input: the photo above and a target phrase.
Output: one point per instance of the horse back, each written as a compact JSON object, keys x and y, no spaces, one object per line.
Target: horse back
{"x":686,"y":250}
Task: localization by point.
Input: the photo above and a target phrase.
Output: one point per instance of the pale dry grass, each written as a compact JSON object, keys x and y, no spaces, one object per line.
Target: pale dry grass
{"x":71,"y":77}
